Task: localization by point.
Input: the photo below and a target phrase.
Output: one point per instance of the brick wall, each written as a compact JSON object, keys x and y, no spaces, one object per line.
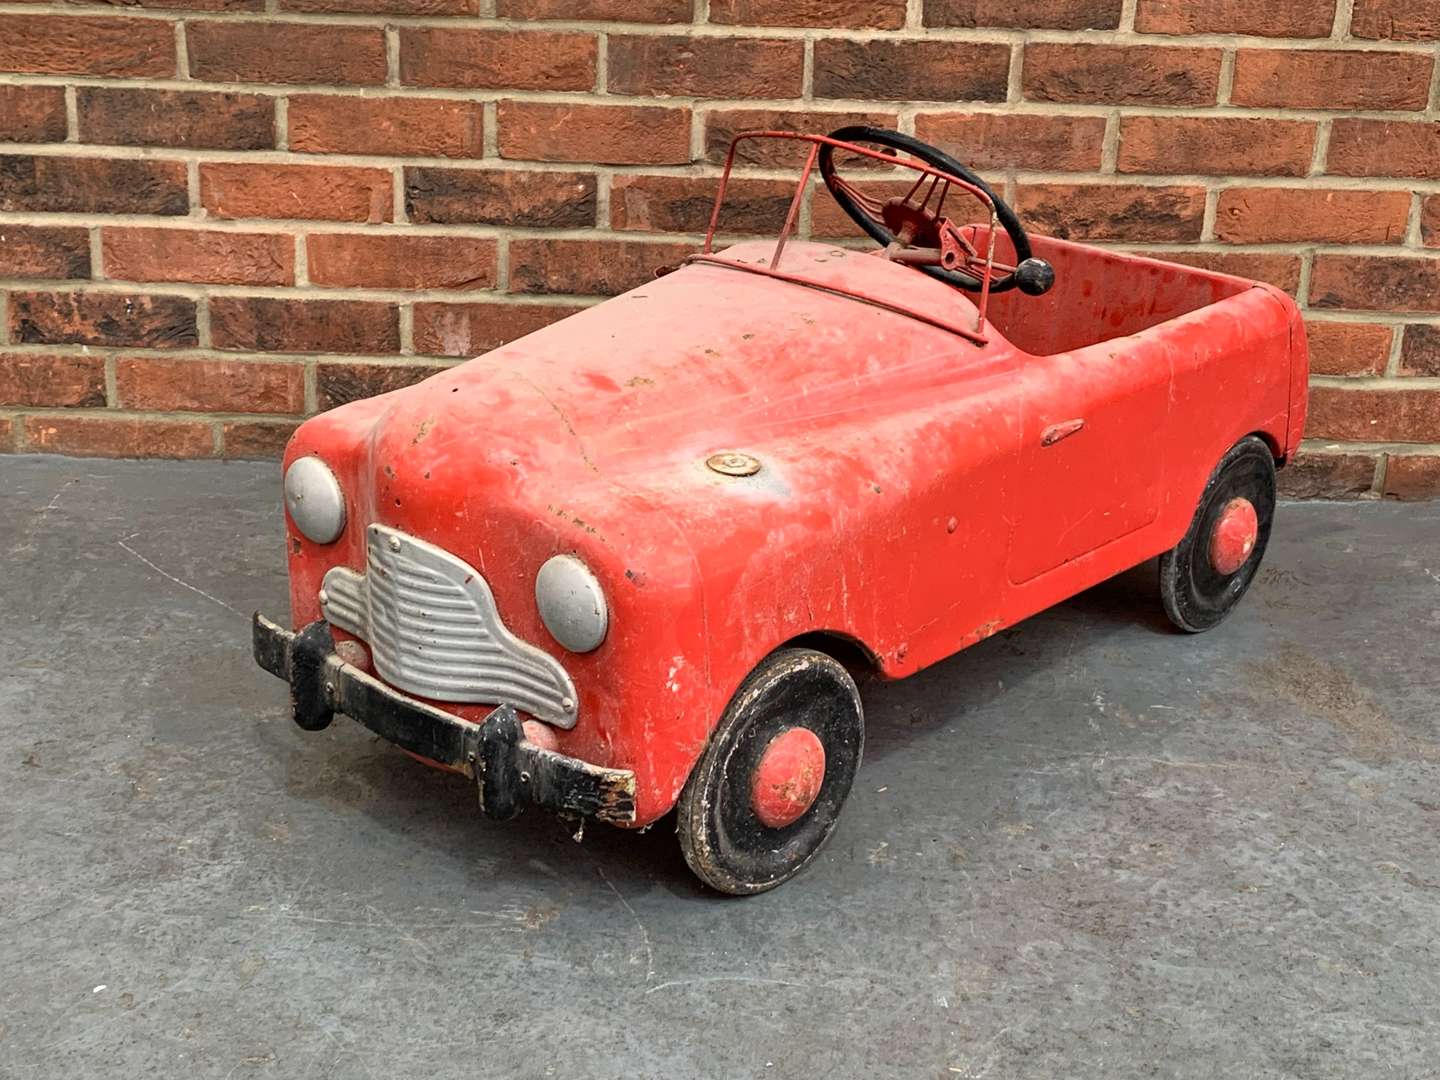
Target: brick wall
{"x":217,"y":216}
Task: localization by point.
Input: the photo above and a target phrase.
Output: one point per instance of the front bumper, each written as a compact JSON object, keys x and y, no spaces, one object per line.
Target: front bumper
{"x":508,"y":770}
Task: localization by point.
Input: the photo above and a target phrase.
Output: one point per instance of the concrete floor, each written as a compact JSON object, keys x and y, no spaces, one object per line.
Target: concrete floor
{"x":1089,"y":847}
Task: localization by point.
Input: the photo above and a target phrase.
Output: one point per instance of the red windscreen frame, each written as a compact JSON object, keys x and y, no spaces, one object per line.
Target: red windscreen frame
{"x":816,"y":142}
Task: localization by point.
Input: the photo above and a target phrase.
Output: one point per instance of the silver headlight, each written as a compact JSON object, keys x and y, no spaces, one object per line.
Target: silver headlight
{"x":314,"y":499}
{"x":572,"y":604}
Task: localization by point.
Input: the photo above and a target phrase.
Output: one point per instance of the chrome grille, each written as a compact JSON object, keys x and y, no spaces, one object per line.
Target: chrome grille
{"x":433,"y":630}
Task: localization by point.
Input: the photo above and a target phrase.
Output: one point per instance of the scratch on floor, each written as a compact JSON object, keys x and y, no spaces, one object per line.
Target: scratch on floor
{"x":750,"y":979}
{"x":172,"y":577}
{"x":644,"y":934}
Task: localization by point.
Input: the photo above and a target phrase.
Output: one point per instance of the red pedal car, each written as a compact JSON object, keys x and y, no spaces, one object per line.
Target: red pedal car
{"x":628,"y":564}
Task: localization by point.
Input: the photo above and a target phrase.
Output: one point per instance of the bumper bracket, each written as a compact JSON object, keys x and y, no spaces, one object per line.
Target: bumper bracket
{"x":509,"y":771}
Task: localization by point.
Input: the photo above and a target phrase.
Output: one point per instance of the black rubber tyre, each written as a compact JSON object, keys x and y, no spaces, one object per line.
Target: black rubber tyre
{"x":938,"y":159}
{"x":1196,"y":596}
{"x":726,"y":845}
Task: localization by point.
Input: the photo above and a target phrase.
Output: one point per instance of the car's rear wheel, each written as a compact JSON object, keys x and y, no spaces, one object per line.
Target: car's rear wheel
{"x":1204,"y":576}
{"x":767,"y":792}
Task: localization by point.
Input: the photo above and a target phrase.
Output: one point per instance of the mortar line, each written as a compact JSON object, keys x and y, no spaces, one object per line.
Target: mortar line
{"x":481,"y":93}
{"x":489,"y":132}
{"x":392,"y":56}
{"x":282,"y":123}
{"x":1123,"y":34}
{"x":72,"y":115}
{"x":97,"y":252}
{"x":1397,"y":349}
{"x":182,"y":51}
{"x":406,"y":312}
{"x":1227,"y":77}
{"x":1320,"y":155}
{"x":318,"y":163}
{"x":1344,"y":14}
{"x":112,"y":383}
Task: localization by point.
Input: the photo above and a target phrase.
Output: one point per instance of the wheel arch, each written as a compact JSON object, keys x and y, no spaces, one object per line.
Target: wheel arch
{"x":856,"y":657}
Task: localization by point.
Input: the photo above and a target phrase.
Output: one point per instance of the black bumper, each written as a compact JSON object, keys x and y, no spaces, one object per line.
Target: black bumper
{"x":508,"y":770}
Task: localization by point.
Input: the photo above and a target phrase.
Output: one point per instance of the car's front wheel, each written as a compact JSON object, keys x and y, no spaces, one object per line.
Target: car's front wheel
{"x":767,"y":791}
{"x":1204,"y":576}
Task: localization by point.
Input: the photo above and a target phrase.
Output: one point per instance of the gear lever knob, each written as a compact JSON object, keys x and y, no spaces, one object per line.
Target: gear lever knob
{"x":1034,"y":277}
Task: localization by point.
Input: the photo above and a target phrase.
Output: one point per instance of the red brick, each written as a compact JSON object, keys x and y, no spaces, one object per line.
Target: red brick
{"x":684,"y":204}
{"x":497,"y":59}
{"x":215,"y":258}
{"x":214,"y":121}
{"x":44,"y":251}
{"x":229,"y":6}
{"x":400,"y":261}
{"x":385,"y":7}
{"x":96,"y":318}
{"x":156,"y":384}
{"x":722,"y":125}
{"x":1282,"y":271}
{"x":467,"y":330}
{"x":1348,"y":348}
{"x":1026,"y":14}
{"x":705,"y":66}
{"x":1121,"y":74}
{"x":32,"y":114}
{"x":1375,"y":283}
{"x":1113,"y":211}
{"x":286,"y":52}
{"x":256,"y":439}
{"x":640,"y":11}
{"x":271,"y":324}
{"x":862,"y":14}
{"x":1385,"y":148}
{"x":1016,"y":141}
{"x":1309,"y":215}
{"x":52,"y":382}
{"x":911,"y":70}
{"x":1396,"y":20}
{"x":92,"y":185}
{"x":317,"y":192}
{"x":1331,"y":79}
{"x":119,"y":437}
{"x":339,"y":384}
{"x":1420,"y":350}
{"x":1430,"y":221}
{"x":1218,"y":146}
{"x":1367,"y":415}
{"x":588,"y":267}
{"x":66,"y":45}
{"x":1274,"y":18}
{"x":546,"y":200}
{"x":397,"y":126}
{"x":1328,"y":476}
{"x":1412,"y":476}
{"x":604,"y":134}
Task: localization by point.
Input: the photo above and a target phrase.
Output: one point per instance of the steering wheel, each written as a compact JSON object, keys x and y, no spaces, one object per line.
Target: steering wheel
{"x":914,"y":232}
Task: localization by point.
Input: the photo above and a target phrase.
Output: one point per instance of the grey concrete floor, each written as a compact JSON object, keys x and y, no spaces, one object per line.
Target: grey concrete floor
{"x":1088,"y":847}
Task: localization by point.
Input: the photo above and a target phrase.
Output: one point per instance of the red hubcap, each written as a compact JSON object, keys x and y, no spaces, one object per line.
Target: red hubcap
{"x":788,"y":778}
{"x":1234,"y":536}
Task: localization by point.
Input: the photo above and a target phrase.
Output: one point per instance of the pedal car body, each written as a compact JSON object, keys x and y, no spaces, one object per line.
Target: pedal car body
{"x":558,"y":566}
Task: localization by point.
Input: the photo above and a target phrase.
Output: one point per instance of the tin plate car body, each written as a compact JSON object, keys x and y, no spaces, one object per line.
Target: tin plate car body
{"x":921,"y":485}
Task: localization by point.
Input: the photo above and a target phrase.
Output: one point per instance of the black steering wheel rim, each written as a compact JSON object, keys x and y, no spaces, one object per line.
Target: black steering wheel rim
{"x":938,"y":159}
